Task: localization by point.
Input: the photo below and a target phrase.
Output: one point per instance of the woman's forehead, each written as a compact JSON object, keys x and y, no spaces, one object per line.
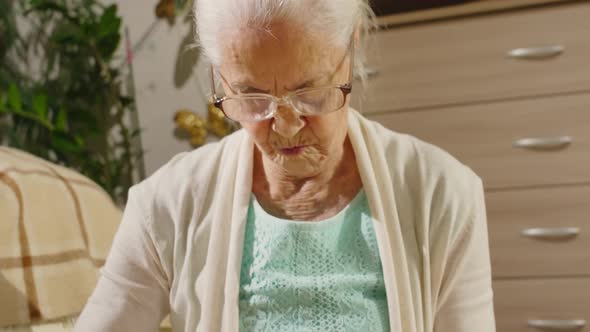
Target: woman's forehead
{"x":287,"y":57}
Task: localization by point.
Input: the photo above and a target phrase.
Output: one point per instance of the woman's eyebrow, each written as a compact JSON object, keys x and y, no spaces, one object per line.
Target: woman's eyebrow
{"x":249,"y":87}
{"x":246,"y":87}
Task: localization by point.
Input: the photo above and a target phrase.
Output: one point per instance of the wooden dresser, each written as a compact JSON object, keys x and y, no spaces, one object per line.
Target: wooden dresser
{"x":508,"y":94}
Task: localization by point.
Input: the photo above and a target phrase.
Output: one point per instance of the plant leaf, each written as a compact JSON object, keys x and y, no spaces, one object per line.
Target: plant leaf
{"x":109,"y":21}
{"x":2,"y":104}
{"x":50,"y":6}
{"x":69,"y":35}
{"x":79,"y":140}
{"x":126,"y":101}
{"x":14,"y":98}
{"x":180,"y":4}
{"x":65,"y":144}
{"x":108,"y":31}
{"x":40,"y":106}
{"x":61,"y":120}
{"x":136,"y":132}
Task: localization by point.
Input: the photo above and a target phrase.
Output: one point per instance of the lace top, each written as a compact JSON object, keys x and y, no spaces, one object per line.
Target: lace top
{"x":312,"y":276}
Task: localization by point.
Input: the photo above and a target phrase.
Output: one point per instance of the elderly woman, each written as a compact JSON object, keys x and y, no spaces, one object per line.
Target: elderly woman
{"x":310,"y":218}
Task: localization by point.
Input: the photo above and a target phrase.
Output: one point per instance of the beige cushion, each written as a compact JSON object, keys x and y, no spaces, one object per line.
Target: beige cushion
{"x":62,"y":325}
{"x":56,"y":228}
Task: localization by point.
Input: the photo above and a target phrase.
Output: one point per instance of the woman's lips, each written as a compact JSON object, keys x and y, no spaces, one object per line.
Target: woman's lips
{"x":293,"y":151}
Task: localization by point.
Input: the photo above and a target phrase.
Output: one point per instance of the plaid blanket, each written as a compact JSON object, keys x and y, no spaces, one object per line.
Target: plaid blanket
{"x":56,"y":228}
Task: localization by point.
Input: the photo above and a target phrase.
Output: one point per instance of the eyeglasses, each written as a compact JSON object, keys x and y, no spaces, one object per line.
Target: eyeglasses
{"x":252,"y":107}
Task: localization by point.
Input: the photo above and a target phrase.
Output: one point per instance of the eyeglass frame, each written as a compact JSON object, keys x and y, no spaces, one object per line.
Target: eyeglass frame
{"x":346,"y":89}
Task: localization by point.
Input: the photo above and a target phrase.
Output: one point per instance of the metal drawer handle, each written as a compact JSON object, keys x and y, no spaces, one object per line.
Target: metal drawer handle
{"x":551,"y":233}
{"x":542,"y":52}
{"x":557,"y":325}
{"x":543,"y":143}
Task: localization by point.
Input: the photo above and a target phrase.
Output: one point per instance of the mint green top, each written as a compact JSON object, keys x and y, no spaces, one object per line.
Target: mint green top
{"x":312,"y":276}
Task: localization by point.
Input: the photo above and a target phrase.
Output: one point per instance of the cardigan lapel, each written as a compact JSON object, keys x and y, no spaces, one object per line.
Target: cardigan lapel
{"x":243,"y":157}
{"x":373,"y":165}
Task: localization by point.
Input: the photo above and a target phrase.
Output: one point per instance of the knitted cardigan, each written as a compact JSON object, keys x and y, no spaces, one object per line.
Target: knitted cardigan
{"x":179,"y":247}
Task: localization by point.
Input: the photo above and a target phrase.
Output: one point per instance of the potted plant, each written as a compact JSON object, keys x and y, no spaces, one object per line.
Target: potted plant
{"x":61,"y":88}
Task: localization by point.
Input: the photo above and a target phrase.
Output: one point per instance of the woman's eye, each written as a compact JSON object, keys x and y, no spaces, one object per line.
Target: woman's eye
{"x":312,"y":99}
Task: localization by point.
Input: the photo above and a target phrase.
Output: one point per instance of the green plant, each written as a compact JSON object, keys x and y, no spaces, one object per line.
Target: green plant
{"x":61,"y":92}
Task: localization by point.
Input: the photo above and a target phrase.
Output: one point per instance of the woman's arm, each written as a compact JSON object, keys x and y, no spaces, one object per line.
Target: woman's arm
{"x":132,"y":292}
{"x":466,"y":299}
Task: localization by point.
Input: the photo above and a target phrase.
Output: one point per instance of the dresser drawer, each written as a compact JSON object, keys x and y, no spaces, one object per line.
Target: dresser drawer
{"x":483,"y":137}
{"x":522,"y":303}
{"x":465,"y":60}
{"x":540,"y":232}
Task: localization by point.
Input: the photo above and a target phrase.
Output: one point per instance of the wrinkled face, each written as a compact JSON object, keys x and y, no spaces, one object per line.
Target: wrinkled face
{"x":277,"y":62}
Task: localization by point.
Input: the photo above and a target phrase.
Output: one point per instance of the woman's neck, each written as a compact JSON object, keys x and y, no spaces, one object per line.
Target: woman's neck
{"x":311,"y":198}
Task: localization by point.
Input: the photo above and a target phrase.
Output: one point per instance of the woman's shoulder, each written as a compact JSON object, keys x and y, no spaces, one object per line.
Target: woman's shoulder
{"x":448,"y":186}
{"x":422,"y":161}
{"x":185,"y":175}
{"x":431,"y":180}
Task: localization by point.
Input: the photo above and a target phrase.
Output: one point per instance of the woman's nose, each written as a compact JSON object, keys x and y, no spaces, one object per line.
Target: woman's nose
{"x":286,"y":122}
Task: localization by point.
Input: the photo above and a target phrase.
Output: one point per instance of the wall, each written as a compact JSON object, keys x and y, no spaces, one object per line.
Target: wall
{"x":166,"y":79}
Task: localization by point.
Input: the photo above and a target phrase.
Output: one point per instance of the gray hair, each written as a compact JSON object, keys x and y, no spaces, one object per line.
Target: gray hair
{"x":337,"y":18}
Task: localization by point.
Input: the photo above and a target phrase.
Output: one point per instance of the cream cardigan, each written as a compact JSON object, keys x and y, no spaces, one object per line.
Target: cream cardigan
{"x":179,"y":247}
